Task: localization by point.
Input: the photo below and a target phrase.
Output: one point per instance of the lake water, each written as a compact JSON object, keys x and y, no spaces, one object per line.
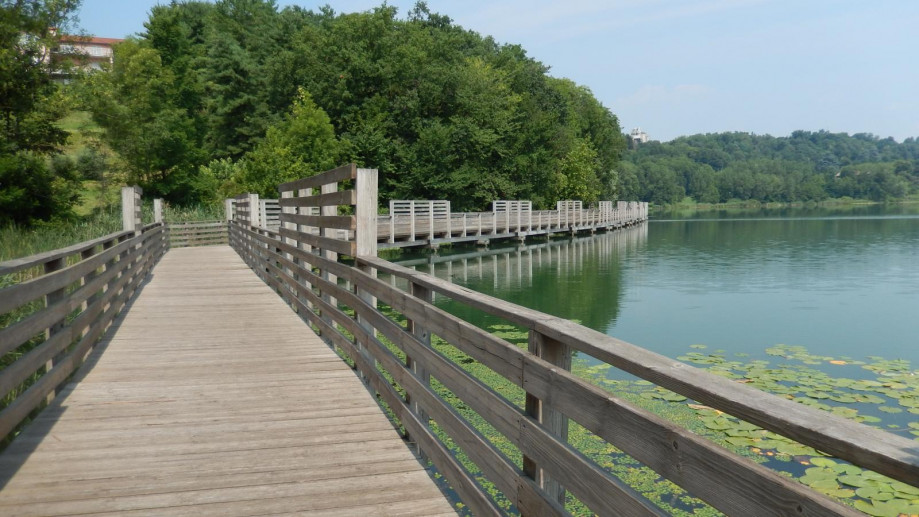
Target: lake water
{"x":840,"y":282}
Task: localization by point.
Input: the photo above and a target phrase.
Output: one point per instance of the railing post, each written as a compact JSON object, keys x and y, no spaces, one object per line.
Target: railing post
{"x":411,"y":215}
{"x":254,"y":211}
{"x":131,"y":221}
{"x":449,"y":221}
{"x":365,"y":239}
{"x":228,"y":208}
{"x":430,"y":220}
{"x":551,"y":419}
{"x":424,"y":336}
{"x":392,"y":223}
{"x":263,"y":213}
{"x":50,"y":299}
{"x":157,"y":210}
{"x":130,"y":208}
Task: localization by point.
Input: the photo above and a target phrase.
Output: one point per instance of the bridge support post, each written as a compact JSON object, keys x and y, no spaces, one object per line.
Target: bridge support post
{"x":157,"y":210}
{"x":50,"y":299}
{"x":424,"y":335}
{"x":131,"y":222}
{"x":130,"y":208}
{"x":365,"y":236}
{"x":552,"y":419}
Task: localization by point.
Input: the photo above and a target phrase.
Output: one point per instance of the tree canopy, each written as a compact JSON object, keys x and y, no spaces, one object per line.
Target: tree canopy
{"x":220,"y":93}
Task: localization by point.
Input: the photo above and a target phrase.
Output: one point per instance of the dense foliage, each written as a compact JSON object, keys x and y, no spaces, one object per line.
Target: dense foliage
{"x":806,"y":166}
{"x":33,"y":185}
{"x":216,"y":99}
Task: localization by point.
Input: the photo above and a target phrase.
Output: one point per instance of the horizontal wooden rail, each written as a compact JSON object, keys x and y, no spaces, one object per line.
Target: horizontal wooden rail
{"x":862,"y":445}
{"x":55,"y":318}
{"x":200,"y":233}
{"x":343,"y":173}
{"x":39,"y":260}
{"x":313,"y":285}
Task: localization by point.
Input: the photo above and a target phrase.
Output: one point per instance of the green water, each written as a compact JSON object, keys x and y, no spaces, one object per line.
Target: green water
{"x":841,"y":282}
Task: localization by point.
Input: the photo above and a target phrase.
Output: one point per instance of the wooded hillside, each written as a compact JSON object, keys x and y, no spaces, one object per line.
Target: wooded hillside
{"x":217,"y":99}
{"x":806,"y":166}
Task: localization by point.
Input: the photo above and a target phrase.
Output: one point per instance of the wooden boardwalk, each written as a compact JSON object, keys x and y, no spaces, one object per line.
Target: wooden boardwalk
{"x":213,"y":398}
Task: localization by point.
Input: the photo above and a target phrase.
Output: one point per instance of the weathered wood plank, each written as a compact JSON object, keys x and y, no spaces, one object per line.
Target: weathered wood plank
{"x":343,"y":197}
{"x":325,"y":243}
{"x":340,"y":222}
{"x":19,"y":294}
{"x":11,"y":266}
{"x":184,"y":421}
{"x":343,"y":173}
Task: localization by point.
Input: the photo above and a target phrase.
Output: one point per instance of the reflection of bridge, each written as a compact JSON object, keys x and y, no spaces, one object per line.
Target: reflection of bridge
{"x":208,"y":396}
{"x":518,"y":263}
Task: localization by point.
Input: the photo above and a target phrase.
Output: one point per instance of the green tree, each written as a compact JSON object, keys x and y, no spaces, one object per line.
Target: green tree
{"x":135,"y":104}
{"x":301,"y":145}
{"x":441,"y":111}
{"x":30,"y":103}
{"x":576,"y":177}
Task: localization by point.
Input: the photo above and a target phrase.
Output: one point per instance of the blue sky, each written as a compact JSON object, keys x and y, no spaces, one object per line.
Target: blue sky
{"x":679,"y":67}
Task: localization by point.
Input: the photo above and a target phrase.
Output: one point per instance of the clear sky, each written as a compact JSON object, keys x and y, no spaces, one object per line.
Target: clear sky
{"x":679,"y":67}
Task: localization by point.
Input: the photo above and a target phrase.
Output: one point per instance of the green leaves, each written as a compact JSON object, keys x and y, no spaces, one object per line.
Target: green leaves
{"x":441,"y":112}
{"x":32,"y":186}
{"x":301,"y":145}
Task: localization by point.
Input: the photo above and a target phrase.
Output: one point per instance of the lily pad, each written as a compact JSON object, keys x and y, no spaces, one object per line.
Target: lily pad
{"x":823,"y":462}
{"x":854,"y":480}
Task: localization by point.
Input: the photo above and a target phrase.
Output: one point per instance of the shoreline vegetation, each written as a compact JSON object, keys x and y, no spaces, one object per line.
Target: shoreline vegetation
{"x":691,"y":204}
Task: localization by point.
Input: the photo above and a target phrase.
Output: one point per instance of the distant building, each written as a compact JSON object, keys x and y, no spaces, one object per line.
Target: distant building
{"x":85,"y":52}
{"x":637,"y":136}
{"x":96,"y":50}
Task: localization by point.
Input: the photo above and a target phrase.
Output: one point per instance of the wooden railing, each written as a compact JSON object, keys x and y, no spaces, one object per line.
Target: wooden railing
{"x":427,"y":222}
{"x":200,"y":233}
{"x":58,"y":305}
{"x":344,"y":305}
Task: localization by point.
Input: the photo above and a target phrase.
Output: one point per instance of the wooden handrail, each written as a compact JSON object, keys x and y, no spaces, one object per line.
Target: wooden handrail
{"x":197,"y":233}
{"x":15,"y":265}
{"x":72,"y":305}
{"x":869,"y":447}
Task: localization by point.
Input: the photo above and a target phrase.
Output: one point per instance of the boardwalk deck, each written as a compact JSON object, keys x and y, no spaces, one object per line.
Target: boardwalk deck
{"x":213,"y":398}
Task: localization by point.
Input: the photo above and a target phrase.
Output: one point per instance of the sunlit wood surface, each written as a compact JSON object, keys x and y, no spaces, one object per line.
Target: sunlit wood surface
{"x":213,"y":398}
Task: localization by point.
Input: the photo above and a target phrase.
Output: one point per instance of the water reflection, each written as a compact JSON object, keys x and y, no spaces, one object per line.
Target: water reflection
{"x":578,"y":278}
{"x":840,"y":283}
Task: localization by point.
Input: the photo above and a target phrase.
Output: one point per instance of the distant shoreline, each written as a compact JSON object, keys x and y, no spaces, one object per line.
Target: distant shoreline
{"x":752,"y":204}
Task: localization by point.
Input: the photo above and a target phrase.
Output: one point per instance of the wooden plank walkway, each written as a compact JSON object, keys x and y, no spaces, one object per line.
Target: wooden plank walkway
{"x":213,"y":398}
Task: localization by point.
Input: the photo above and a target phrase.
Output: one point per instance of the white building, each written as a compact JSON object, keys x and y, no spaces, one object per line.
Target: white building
{"x":638,"y":136}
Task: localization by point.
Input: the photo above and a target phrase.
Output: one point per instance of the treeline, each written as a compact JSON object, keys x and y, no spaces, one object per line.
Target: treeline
{"x":219,"y":98}
{"x":806,"y":166}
